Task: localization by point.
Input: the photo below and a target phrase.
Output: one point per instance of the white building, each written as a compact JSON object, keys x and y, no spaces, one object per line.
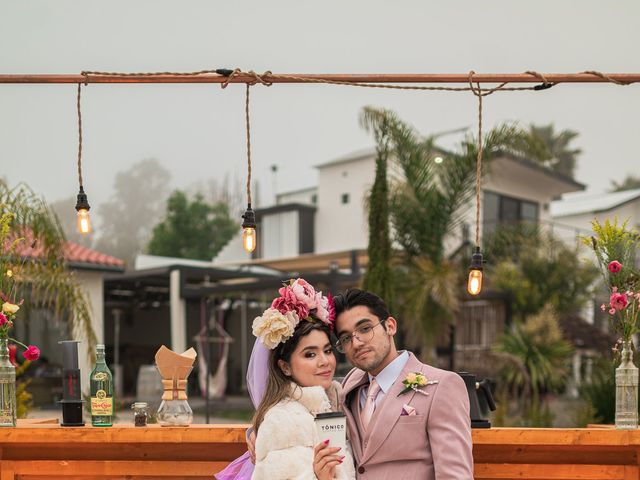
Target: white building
{"x":515,"y":189}
{"x":578,"y":210}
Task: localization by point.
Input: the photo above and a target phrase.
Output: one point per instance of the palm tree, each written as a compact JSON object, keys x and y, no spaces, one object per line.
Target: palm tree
{"x":552,"y":149}
{"x":39,"y":273}
{"x":535,"y":359}
{"x":425,"y":201}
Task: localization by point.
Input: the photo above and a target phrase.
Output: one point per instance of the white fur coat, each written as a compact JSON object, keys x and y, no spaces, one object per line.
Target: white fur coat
{"x":287,"y":437}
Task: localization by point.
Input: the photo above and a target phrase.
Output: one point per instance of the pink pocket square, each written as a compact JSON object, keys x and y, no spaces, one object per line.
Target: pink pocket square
{"x":408,"y":410}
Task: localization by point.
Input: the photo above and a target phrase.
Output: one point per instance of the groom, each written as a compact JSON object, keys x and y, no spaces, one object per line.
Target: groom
{"x":423,"y":432}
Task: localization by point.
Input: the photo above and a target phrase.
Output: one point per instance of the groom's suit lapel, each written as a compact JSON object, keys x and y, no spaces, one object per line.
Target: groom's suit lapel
{"x":388,"y":412}
{"x":351,"y":398}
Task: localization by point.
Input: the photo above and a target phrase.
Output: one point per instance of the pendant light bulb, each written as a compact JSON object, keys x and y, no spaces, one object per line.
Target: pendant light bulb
{"x":82,"y":207}
{"x":474,"y":285}
{"x":249,"y":240}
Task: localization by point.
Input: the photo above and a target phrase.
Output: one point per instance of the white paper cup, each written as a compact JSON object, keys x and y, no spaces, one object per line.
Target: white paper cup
{"x":332,"y":426}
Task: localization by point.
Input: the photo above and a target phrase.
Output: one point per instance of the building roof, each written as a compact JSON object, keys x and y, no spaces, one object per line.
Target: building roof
{"x":371,"y":153}
{"x":75,"y":255}
{"x":82,"y":257}
{"x":351,"y":157}
{"x":297,"y":190}
{"x":577,"y":203}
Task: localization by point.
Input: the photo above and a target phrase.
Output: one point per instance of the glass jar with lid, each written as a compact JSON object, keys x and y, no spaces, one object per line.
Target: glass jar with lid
{"x":140,"y":414}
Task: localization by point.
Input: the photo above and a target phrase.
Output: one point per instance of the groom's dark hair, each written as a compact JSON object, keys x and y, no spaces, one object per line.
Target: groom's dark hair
{"x":354,"y":297}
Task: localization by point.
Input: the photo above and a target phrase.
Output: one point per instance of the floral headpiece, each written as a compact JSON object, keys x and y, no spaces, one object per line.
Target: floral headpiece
{"x":298,"y":300}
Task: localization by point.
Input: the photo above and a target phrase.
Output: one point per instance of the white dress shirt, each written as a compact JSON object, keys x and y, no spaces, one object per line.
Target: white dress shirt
{"x":386,"y":378}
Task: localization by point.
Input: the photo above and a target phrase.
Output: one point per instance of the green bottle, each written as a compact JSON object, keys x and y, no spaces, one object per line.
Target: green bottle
{"x":101,"y":389}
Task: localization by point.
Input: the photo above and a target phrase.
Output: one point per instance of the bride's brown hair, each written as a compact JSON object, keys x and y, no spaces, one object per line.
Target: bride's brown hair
{"x":277,"y":382}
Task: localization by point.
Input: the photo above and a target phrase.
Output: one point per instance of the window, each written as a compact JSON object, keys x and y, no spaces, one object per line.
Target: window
{"x":500,"y":209}
{"x":345,"y":198}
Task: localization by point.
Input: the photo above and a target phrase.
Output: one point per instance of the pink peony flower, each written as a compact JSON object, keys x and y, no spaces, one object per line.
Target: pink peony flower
{"x":612,"y":311}
{"x":615,"y":266}
{"x":31,"y":353}
{"x":332,"y":310}
{"x":603,"y":307}
{"x":3,"y":319}
{"x":326,"y":311}
{"x":618,"y":301}
{"x":305,"y":293}
{"x":288,"y":302}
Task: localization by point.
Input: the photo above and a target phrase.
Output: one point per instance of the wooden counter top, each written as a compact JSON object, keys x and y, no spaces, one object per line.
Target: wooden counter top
{"x":38,"y":452}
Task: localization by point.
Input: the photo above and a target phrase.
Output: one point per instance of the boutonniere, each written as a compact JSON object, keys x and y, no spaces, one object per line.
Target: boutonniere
{"x":415,"y":381}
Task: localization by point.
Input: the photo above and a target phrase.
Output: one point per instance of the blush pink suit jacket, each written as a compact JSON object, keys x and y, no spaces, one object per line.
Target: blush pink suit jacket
{"x":433,"y":444}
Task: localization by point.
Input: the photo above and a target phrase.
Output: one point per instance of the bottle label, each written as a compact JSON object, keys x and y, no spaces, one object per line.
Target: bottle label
{"x":101,"y":404}
{"x":6,"y":416}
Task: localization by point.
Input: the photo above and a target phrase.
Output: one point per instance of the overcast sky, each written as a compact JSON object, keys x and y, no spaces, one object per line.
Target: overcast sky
{"x":197,"y":131}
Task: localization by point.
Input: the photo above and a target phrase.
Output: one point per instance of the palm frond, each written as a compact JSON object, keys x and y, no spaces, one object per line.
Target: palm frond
{"x":43,"y":279}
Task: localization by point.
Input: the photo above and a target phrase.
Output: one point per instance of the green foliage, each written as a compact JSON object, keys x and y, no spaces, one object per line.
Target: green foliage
{"x":378,"y":277}
{"x":192,"y":229}
{"x":535,"y":359}
{"x":425,"y":202}
{"x":630,"y":182}
{"x":538,"y":415}
{"x":43,"y":281}
{"x":601,"y":392}
{"x":24,"y":400}
{"x":613,"y":241}
{"x":536,"y":269}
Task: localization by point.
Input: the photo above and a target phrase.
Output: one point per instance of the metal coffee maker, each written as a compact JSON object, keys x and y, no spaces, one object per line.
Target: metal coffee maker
{"x":481,"y":402}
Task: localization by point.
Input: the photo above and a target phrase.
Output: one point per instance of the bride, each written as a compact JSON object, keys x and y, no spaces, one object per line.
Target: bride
{"x":294,"y":353}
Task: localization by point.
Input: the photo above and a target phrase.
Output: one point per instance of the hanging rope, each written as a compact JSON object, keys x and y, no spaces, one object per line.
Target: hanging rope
{"x":79,"y":136}
{"x":246,"y":114}
{"x":267,"y":78}
{"x":479,"y":92}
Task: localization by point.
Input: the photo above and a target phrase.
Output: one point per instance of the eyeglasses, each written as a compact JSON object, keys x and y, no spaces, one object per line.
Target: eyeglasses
{"x":364,"y":334}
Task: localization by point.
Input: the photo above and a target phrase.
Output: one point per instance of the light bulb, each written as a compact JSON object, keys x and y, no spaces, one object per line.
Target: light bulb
{"x":82,"y":207}
{"x":475,"y":282}
{"x":249,"y":239}
{"x":84,"y":221}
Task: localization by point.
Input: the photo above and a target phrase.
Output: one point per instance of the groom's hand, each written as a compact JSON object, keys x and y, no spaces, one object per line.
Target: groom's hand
{"x":325,"y":460}
{"x":251,"y":446}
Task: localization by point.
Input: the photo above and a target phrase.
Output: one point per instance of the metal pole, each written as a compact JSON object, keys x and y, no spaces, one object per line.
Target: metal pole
{"x":332,"y":77}
{"x":117,"y":370}
{"x":207,"y":354}
{"x":244,"y":339}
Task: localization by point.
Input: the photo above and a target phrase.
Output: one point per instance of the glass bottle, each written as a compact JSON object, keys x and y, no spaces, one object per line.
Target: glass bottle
{"x":7,"y":387}
{"x":101,"y":390}
{"x":627,"y":389}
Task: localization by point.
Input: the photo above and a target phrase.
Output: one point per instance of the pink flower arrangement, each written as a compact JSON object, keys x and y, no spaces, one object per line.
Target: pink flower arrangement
{"x":7,"y":316}
{"x":298,"y":300}
{"x":614,"y":246}
{"x":9,"y":274}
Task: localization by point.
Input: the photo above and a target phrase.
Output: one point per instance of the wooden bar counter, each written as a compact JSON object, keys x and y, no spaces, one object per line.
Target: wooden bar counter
{"x":38,"y":452}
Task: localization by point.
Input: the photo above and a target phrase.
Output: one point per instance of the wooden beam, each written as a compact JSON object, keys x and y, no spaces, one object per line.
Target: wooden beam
{"x":381,"y":78}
